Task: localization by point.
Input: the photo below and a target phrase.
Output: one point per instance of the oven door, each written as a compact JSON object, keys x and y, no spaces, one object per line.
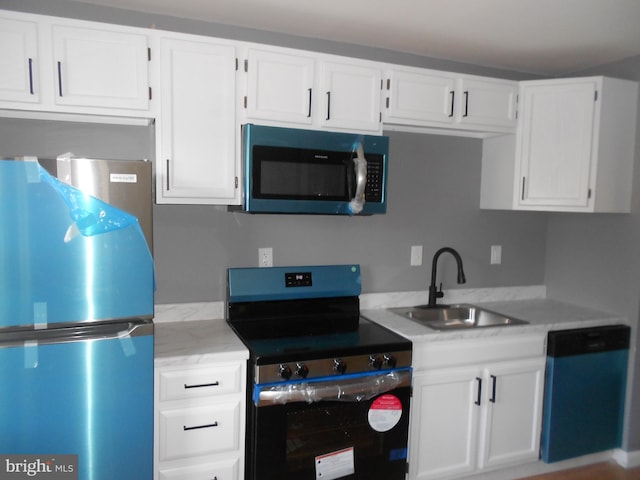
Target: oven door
{"x":354,"y":429}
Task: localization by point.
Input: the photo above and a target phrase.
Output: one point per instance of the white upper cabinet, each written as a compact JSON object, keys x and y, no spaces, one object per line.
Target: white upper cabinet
{"x":420,"y":97}
{"x":555,"y":143}
{"x":96,"y":67}
{"x":279,"y":86}
{"x":57,"y":68}
{"x":350,"y":96}
{"x":197,"y":141}
{"x":300,"y":89}
{"x":432,"y":99}
{"x":573,"y":152}
{"x":19,"y":64}
{"x":487,"y":102}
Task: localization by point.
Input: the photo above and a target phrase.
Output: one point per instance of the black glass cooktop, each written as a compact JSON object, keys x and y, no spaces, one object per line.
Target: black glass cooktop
{"x":368,"y":338}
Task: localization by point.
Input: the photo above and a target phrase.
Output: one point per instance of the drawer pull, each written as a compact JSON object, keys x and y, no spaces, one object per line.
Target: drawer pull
{"x":198,"y":427}
{"x":201,"y":385}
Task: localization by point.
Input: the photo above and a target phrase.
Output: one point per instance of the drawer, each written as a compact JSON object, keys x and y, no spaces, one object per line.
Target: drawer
{"x":199,"y":382}
{"x":225,"y":470}
{"x":462,"y":352}
{"x":190,"y":432}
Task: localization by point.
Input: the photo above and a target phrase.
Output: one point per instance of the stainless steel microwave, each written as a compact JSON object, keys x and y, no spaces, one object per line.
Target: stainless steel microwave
{"x":288,"y":170}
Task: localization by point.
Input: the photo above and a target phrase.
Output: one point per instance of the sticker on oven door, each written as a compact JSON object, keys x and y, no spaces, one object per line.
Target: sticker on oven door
{"x":385,"y":413}
{"x":334,"y":465}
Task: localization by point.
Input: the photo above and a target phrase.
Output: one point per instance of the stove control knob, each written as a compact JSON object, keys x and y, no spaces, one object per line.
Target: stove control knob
{"x":375,"y":362}
{"x":389,"y":361}
{"x":339,"y":365}
{"x":285,"y":372}
{"x":302,"y":370}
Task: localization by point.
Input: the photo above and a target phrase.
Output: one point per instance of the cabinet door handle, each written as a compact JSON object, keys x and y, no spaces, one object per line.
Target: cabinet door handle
{"x":31,"y":76}
{"x":466,"y":103}
{"x":168,"y":181}
{"x":310,"y":94}
{"x":198,"y":427}
{"x":328,"y":105}
{"x":524,"y":179}
{"x":60,"y":78}
{"x":453,"y":95}
{"x":479,"y":380}
{"x":201,"y":385}
{"x":493,"y":389}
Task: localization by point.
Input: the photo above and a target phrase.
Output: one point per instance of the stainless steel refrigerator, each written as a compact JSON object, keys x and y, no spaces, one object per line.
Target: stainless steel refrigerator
{"x":76,"y":310}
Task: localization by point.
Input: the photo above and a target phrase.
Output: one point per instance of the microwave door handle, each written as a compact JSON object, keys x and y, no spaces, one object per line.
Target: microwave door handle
{"x":360,"y":166}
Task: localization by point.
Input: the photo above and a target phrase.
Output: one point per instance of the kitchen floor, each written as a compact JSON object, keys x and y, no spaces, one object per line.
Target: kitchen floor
{"x":599,"y":471}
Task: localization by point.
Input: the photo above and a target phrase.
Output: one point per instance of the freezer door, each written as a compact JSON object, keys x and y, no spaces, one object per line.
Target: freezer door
{"x":91,"y":396}
{"x":125,"y":184}
{"x":66,"y":256}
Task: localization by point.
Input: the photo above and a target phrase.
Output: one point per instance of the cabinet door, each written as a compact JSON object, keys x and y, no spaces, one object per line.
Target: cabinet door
{"x":351,"y":97}
{"x":416,"y":98}
{"x":100,"y":68}
{"x":487,"y":102}
{"x":279,"y":86}
{"x":444,"y":422}
{"x":555,"y":144}
{"x":18,"y":64}
{"x":197,"y":161}
{"x":511,"y":421}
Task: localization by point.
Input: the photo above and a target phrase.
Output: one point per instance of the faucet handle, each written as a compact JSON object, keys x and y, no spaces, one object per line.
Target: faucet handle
{"x":439,"y":292}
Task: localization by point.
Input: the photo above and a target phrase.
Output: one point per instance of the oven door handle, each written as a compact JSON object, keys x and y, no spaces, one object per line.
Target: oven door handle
{"x":357,"y":388}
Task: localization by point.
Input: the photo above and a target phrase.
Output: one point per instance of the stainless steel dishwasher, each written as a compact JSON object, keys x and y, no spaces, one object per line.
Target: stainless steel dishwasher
{"x":585,"y":390}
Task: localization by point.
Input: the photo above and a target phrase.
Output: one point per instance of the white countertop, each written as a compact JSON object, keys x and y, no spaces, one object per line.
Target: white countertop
{"x":542,"y":314}
{"x":193,"y":342}
{"x":193,"y":333}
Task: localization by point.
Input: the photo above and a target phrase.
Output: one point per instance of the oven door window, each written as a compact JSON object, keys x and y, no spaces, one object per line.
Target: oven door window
{"x":289,"y":439}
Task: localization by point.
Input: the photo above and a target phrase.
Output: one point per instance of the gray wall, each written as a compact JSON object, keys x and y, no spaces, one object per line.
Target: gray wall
{"x":594,"y":260}
{"x":434,"y":192}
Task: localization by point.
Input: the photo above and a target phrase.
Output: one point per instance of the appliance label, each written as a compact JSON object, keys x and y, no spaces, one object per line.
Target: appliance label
{"x":385,"y":413}
{"x":334,"y":465}
{"x":51,"y":467}
{"x":123,"y":178}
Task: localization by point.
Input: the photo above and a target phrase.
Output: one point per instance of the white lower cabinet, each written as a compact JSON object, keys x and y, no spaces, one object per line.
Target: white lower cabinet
{"x":199,"y":426}
{"x":477,"y":408}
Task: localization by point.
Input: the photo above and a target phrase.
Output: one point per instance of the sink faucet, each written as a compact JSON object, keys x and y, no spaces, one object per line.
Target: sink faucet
{"x":434,"y":293}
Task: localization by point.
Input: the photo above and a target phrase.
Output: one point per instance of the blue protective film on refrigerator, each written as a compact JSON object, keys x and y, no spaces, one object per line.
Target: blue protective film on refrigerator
{"x":91,"y":215}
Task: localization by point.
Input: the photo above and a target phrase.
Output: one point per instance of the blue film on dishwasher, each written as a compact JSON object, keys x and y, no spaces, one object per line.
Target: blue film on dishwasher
{"x":66,"y":256}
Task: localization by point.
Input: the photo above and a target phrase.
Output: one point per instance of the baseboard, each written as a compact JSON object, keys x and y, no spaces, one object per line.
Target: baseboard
{"x":627,"y":459}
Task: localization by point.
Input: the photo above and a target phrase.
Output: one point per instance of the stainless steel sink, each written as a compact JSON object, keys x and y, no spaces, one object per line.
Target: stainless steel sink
{"x":453,"y":317}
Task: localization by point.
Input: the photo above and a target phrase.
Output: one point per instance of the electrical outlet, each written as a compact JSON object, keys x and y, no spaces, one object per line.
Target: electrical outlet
{"x":416,"y":255}
{"x":496,"y":254}
{"x":265,"y":257}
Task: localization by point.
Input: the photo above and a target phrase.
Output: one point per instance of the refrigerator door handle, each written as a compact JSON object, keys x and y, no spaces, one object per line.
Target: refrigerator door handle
{"x":77,"y":333}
